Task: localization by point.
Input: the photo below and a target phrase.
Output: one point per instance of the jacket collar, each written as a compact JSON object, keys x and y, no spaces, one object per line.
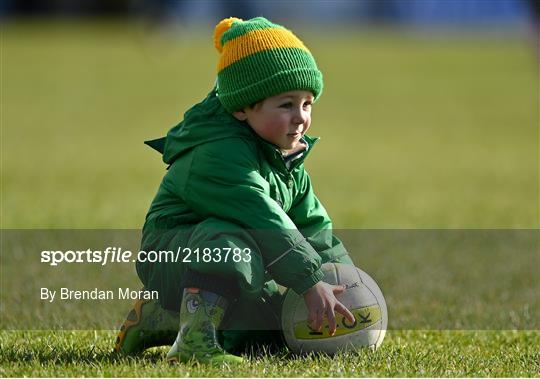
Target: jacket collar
{"x":273,"y":154}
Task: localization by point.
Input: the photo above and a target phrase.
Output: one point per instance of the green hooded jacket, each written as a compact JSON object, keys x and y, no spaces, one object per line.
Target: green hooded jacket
{"x":219,"y":168}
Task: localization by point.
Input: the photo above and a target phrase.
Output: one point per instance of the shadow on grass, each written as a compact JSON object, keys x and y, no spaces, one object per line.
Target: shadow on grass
{"x":78,"y":356}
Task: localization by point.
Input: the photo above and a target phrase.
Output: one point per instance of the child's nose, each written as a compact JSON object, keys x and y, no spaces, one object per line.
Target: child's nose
{"x":300,"y":116}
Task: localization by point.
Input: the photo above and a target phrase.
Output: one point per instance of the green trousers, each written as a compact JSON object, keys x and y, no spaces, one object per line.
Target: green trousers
{"x":254,"y":299}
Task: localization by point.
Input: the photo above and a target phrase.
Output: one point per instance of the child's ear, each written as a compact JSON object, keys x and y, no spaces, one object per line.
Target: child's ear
{"x":240,"y":115}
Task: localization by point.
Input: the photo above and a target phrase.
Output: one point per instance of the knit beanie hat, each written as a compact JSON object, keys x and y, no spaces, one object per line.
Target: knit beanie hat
{"x":259,"y":59}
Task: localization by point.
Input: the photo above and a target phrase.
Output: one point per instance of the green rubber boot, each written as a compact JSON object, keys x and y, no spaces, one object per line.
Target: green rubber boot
{"x":201,"y":313}
{"x":146,"y":325}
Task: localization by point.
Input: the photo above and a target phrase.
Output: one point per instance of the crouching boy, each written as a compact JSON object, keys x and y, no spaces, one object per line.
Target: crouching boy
{"x":238,"y":205}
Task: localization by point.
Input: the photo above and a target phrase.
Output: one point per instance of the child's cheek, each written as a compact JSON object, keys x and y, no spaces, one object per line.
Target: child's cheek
{"x":271,"y":126}
{"x":307,"y":126}
{"x":278,"y":122}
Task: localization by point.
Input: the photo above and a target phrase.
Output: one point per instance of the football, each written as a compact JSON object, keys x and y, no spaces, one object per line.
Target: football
{"x":362,"y":296}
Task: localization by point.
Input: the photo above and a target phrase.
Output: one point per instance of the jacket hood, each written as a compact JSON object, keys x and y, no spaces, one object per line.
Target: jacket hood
{"x":204,"y":122}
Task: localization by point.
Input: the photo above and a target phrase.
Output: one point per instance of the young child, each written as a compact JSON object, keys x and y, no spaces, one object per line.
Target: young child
{"x":238,"y":204}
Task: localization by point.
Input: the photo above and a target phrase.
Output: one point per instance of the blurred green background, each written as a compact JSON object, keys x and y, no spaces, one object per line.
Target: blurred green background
{"x":419,"y":130}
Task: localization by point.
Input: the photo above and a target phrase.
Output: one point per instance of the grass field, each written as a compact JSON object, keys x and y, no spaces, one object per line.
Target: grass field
{"x":417,"y":132}
{"x":412,"y":353}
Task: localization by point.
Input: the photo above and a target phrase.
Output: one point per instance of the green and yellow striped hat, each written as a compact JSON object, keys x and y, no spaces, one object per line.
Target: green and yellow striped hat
{"x":259,"y":59}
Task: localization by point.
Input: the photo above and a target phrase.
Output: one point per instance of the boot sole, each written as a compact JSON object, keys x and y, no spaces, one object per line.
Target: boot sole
{"x":191,"y":358}
{"x":176,"y":361}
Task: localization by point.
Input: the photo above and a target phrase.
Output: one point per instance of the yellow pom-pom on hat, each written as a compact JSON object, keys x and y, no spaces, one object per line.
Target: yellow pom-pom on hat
{"x":221,"y":28}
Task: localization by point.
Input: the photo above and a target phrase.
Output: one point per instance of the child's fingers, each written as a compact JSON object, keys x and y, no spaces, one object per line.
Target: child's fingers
{"x":315,"y":320}
{"x":340,"y":308}
{"x":311,"y":321}
{"x":331,"y":321}
{"x":338,"y":289}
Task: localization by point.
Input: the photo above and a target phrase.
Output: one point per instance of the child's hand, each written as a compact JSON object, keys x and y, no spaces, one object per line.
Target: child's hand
{"x":321,"y":300}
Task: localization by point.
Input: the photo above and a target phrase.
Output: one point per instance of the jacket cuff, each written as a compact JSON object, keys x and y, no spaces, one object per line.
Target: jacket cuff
{"x":308,"y":282}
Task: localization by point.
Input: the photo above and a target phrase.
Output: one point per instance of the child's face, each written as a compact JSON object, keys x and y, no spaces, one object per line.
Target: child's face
{"x":282,"y":119}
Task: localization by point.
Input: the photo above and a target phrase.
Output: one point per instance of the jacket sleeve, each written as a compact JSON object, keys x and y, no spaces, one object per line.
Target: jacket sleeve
{"x":223,"y":181}
{"x":313,"y":221}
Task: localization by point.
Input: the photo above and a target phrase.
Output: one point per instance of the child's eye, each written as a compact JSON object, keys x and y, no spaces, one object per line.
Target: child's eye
{"x":286,"y":105}
{"x":307,"y":104}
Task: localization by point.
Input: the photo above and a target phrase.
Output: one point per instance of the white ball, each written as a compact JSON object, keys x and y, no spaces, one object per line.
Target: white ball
{"x":362,"y":297}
